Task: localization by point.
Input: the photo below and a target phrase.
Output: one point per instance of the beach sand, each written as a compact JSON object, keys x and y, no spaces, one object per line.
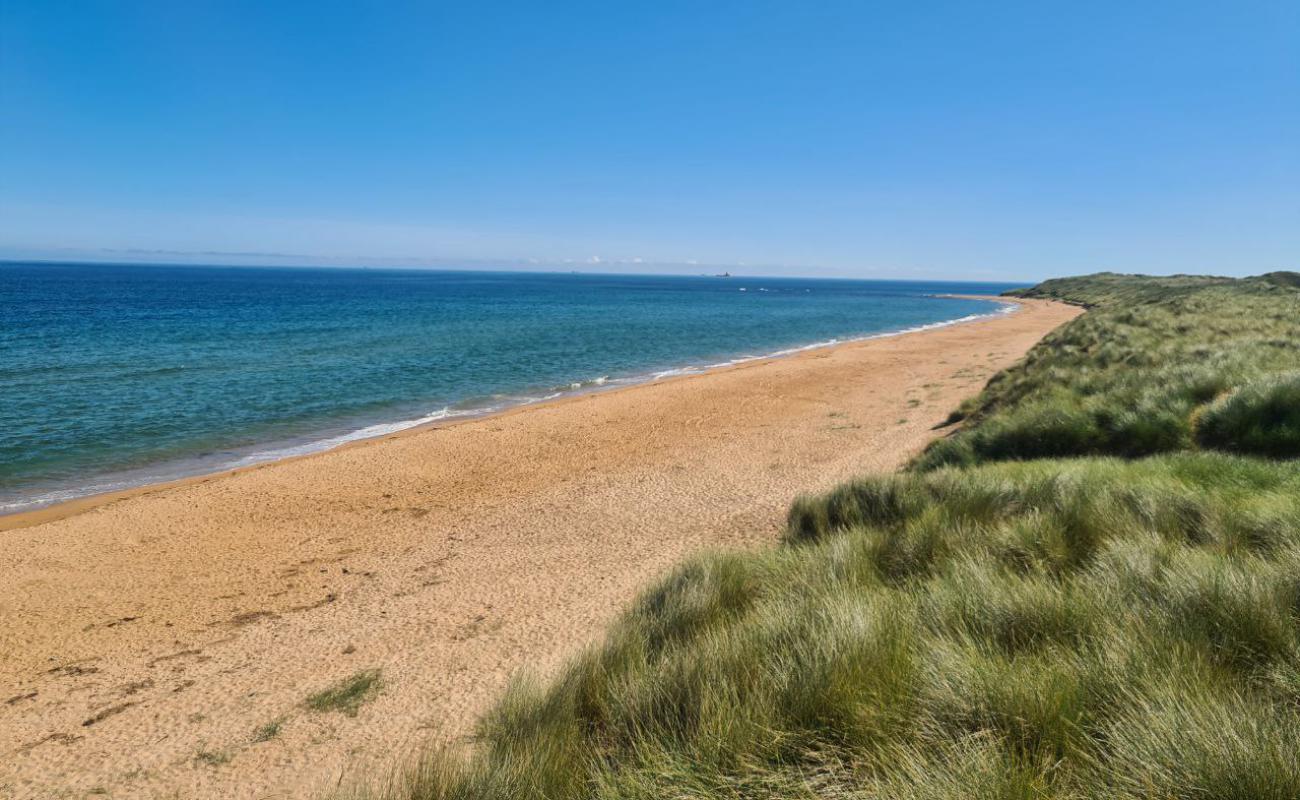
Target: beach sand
{"x":151,"y":638}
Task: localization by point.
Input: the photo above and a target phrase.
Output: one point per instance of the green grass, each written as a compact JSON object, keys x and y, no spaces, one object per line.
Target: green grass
{"x":348,"y":695}
{"x":270,"y":730}
{"x":1133,"y":376}
{"x":1260,"y":417}
{"x":1033,"y":610}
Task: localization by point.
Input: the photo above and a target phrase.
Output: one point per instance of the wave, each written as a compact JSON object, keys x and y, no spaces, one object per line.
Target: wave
{"x":569,"y":387}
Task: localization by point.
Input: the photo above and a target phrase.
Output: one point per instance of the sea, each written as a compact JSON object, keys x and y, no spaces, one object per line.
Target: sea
{"x":113,"y":376}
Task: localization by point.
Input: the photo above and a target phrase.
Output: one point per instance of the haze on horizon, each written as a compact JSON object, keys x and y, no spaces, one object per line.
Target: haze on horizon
{"x":885,"y":140}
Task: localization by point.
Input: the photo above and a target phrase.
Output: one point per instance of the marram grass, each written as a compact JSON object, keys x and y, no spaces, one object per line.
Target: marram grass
{"x":1157,"y":365}
{"x":1034,"y":610}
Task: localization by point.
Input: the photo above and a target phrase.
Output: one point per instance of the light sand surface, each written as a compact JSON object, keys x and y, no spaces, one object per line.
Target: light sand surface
{"x":147,"y":637}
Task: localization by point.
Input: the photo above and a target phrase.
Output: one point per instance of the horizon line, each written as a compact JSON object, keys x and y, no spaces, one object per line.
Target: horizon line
{"x":509,"y":266}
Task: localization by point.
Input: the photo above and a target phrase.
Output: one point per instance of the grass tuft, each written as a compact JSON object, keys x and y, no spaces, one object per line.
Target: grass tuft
{"x":348,"y":695}
{"x":269,"y":731}
{"x":1260,"y":418}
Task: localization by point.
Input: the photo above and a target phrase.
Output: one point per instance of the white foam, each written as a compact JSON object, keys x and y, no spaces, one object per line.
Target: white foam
{"x":601,"y":381}
{"x":50,"y":498}
{"x":669,"y":373}
{"x":368,"y":432}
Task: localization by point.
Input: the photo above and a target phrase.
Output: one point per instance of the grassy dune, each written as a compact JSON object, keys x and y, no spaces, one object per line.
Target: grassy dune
{"x":1134,"y":376}
{"x":1091,"y":590}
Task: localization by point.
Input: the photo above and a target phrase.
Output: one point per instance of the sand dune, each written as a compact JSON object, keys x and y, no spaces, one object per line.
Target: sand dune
{"x":163,"y":642}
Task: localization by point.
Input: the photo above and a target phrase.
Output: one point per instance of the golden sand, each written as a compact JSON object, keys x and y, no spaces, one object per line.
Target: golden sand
{"x":162,"y":642}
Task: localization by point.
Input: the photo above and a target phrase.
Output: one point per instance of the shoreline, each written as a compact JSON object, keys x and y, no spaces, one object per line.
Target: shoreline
{"x":39,"y":513}
{"x":151,"y":639}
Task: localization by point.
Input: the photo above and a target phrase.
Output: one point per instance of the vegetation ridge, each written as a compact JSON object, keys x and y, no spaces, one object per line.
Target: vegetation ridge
{"x":1091,"y":589}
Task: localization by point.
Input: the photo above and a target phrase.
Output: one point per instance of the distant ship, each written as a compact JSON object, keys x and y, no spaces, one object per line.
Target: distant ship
{"x":723,"y":275}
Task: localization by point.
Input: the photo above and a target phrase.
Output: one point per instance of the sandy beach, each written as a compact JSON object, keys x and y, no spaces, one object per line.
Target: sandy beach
{"x":162,"y":642}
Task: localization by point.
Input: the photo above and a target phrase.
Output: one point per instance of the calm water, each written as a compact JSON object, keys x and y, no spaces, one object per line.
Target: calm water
{"x":112,"y":376}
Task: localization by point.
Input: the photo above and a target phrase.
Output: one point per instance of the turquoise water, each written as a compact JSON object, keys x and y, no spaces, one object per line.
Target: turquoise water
{"x":112,"y":376}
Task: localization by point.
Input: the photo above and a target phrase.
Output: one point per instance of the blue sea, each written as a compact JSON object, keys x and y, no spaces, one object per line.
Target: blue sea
{"x":120,"y":375}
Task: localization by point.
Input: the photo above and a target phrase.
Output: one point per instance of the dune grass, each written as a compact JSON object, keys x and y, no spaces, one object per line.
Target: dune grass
{"x":348,"y":695}
{"x":1261,"y":417}
{"x":1130,"y":377}
{"x":1031,"y":611}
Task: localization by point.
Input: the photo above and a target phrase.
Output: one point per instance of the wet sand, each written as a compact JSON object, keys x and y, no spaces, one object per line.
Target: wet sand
{"x":162,"y":642}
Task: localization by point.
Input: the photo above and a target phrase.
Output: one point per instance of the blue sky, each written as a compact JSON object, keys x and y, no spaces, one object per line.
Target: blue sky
{"x":1005,"y":140}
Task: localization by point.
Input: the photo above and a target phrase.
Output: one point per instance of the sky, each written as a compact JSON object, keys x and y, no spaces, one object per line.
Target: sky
{"x":975,"y":141}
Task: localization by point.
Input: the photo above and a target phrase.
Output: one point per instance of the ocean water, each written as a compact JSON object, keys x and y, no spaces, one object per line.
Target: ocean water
{"x":116,"y":375}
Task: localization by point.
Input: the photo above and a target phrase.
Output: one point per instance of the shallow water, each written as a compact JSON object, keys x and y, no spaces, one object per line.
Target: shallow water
{"x":116,"y":375}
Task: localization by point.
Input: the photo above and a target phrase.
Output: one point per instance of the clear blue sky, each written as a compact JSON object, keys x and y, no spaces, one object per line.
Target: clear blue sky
{"x":906,"y":139}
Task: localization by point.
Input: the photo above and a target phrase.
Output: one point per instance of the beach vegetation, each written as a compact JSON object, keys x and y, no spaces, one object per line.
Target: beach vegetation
{"x":1091,"y":590}
{"x":269,"y":731}
{"x":348,"y":695}
{"x":1158,"y":365}
{"x":1261,"y":417}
